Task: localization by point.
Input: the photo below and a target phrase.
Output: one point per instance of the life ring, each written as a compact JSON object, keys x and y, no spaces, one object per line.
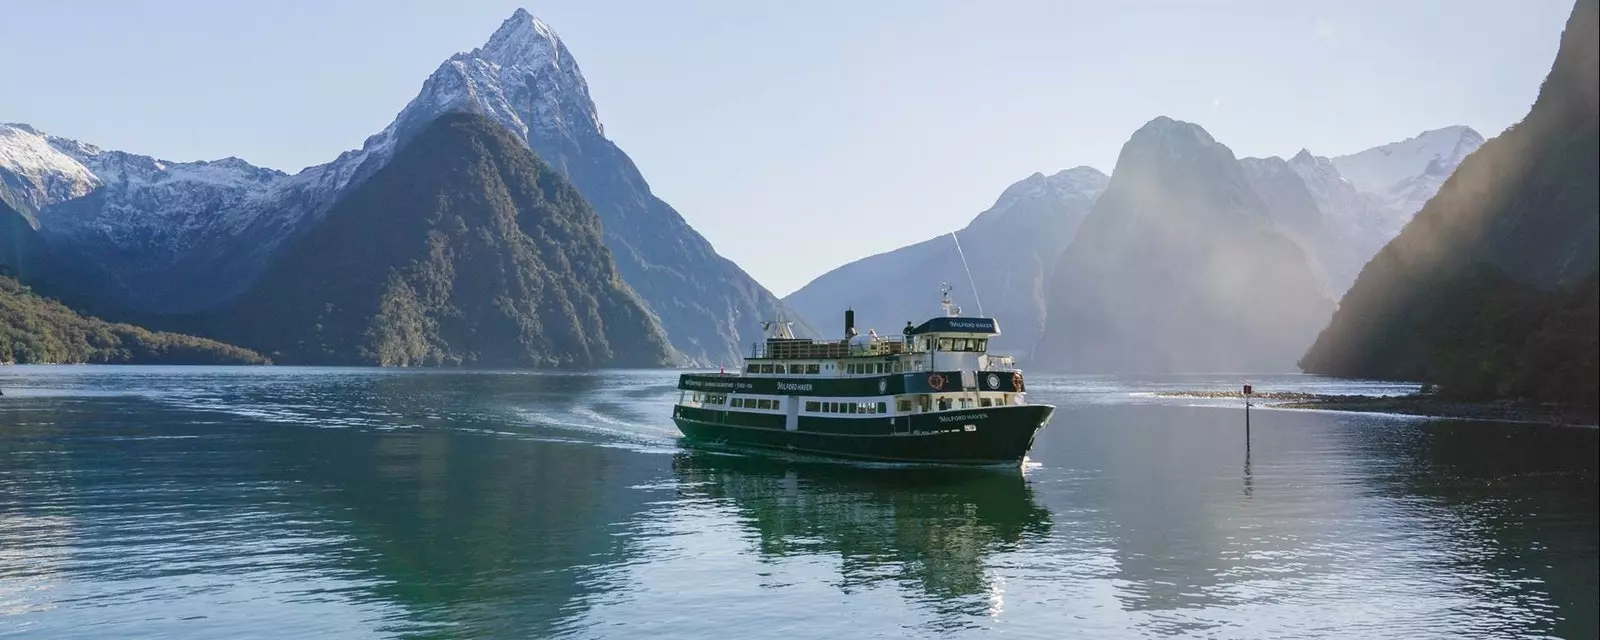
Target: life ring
{"x":1016,"y":380}
{"x":936,"y":381}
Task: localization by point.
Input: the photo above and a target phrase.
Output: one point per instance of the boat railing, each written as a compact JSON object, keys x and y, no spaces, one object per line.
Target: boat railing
{"x":804,"y":348}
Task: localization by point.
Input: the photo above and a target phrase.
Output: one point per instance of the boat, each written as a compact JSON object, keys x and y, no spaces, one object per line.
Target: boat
{"x":933,"y":394}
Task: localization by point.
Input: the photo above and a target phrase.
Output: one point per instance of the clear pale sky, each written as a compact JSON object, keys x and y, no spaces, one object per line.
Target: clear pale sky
{"x":796,"y":136}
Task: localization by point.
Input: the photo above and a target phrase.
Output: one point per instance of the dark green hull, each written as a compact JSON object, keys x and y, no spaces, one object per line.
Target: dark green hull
{"x":990,"y":435}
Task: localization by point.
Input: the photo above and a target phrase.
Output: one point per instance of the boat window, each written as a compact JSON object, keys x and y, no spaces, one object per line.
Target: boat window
{"x":750,"y":367}
{"x":981,"y":346}
{"x":945,"y":344}
{"x":813,"y":406}
{"x":777,"y":404}
{"x":959,"y":344}
{"x":985,"y":402}
{"x":903,"y":405}
{"x":850,"y":407}
{"x":883,"y":407}
{"x":811,"y":368}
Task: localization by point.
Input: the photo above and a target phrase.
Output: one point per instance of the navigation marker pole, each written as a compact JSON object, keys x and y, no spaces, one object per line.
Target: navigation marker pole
{"x":1247,"y":391}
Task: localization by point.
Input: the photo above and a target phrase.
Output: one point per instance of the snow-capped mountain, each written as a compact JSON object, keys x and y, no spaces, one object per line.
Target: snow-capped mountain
{"x":144,"y":233}
{"x":1363,"y":199}
{"x":34,"y":174}
{"x":525,"y":78}
{"x":1379,"y":169}
{"x":164,"y":237}
{"x":1011,"y":248}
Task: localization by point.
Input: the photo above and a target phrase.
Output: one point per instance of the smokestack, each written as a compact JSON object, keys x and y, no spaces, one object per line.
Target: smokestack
{"x":849,"y":322}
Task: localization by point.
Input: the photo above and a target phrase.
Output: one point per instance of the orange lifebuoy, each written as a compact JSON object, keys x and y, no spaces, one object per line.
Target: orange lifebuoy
{"x":936,"y":381}
{"x":1016,"y":380}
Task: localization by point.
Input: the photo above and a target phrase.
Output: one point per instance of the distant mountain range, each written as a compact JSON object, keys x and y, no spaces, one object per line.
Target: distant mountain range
{"x":147,"y":237}
{"x":1180,"y":266}
{"x":1491,"y":290}
{"x":1013,"y":246}
{"x":1184,"y":259}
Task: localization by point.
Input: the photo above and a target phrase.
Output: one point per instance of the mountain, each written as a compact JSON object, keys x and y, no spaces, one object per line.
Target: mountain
{"x":158,"y":237}
{"x":1180,"y":267}
{"x":21,"y":247}
{"x":525,"y":79}
{"x":464,"y":250}
{"x":1011,"y":247}
{"x":1343,"y":221}
{"x":36,"y":330}
{"x":1489,"y":290}
{"x":1430,"y":153}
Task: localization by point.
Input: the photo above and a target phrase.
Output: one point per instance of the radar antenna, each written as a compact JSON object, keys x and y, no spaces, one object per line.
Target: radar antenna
{"x":949,"y":306}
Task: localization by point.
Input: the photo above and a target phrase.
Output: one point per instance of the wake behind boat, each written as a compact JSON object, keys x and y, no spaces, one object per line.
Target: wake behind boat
{"x":933,"y":395}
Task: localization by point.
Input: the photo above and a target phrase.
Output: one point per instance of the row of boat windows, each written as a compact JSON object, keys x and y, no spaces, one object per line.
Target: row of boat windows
{"x":780,"y":368}
{"x":903,"y":405}
{"x":737,"y":403}
{"x":755,"y":403}
{"x":979,"y":345}
{"x":849,"y":367}
{"x":847,"y":407}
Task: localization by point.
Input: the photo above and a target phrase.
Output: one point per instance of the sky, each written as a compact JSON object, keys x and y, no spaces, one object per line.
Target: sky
{"x":796,"y":137}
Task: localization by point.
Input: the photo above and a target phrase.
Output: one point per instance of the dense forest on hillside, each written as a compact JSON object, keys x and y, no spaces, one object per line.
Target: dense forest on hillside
{"x":1490,"y":336}
{"x":465,"y":250}
{"x":1490,"y":291}
{"x":37,"y":330}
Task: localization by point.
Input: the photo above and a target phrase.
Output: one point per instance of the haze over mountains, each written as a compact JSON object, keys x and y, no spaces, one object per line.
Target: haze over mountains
{"x":1012,"y":247}
{"x":1180,"y":266}
{"x":1491,"y":290}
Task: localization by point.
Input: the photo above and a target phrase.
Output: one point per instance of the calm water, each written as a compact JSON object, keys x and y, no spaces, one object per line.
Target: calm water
{"x":296,"y":503}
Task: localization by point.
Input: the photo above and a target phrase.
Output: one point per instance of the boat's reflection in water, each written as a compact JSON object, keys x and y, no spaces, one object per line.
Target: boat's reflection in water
{"x":932,"y":531}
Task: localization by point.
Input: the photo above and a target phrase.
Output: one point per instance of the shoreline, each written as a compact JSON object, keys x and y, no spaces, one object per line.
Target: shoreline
{"x":1412,"y":405}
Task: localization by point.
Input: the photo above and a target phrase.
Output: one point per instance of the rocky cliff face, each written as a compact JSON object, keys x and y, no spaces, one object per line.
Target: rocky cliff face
{"x":463,"y":250}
